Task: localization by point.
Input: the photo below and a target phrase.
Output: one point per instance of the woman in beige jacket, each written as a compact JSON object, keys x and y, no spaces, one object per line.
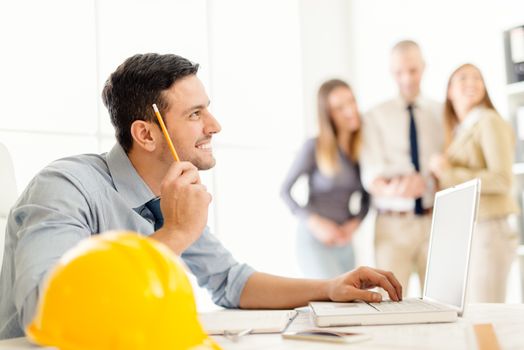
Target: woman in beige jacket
{"x":480,"y":144}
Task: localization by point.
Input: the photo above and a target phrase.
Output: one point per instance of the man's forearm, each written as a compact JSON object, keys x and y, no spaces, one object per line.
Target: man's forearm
{"x":264,"y":291}
{"x":177,"y":241}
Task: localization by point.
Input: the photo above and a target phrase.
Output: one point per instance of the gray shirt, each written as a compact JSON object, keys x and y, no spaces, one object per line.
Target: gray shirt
{"x":329,"y":196}
{"x":74,"y":198}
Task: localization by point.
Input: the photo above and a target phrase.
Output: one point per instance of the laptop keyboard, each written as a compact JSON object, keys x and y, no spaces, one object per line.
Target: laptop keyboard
{"x":407,"y":305}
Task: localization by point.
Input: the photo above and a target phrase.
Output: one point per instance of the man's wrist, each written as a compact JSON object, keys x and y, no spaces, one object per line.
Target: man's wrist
{"x":174,"y":239}
{"x":322,"y":290}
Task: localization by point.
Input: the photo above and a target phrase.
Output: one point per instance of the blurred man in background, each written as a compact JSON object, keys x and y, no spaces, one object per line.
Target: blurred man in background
{"x":400,"y":136}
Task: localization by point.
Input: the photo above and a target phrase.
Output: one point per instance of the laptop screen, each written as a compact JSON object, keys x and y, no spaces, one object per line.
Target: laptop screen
{"x":454,"y":215}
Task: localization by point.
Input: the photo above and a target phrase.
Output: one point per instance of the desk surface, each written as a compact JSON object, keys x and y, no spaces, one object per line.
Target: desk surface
{"x":508,"y":320}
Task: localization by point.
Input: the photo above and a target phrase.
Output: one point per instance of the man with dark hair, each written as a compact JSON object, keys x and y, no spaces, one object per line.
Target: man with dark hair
{"x":79,"y":196}
{"x":138,"y":81}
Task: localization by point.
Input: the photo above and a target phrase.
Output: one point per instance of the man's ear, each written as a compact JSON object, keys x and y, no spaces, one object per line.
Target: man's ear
{"x":144,"y":135}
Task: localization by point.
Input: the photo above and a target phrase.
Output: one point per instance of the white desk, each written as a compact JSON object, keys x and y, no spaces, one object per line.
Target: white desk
{"x":508,"y":321}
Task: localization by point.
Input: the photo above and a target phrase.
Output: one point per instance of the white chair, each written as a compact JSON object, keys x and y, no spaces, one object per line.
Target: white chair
{"x":8,"y":193}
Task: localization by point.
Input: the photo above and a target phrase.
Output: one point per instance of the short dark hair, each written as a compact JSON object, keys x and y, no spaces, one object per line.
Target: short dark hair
{"x":136,"y":84}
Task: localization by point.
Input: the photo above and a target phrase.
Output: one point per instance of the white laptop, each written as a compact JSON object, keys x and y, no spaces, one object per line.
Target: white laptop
{"x":454,"y":217}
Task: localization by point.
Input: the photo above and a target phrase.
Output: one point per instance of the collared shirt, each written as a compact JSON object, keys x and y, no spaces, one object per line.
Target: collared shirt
{"x":74,"y":198}
{"x":386,"y":146}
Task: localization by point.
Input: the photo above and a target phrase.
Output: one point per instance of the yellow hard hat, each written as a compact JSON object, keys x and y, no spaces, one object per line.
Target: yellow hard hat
{"x":115,"y":291}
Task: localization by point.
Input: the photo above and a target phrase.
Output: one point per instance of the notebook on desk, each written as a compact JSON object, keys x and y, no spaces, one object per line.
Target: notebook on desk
{"x":454,"y":215}
{"x":260,"y":321}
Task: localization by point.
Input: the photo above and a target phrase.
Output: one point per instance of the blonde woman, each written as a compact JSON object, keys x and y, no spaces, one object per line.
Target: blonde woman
{"x":330,"y":162}
{"x":480,"y":144}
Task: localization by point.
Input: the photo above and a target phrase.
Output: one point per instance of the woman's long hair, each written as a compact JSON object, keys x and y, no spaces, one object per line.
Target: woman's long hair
{"x":450,"y":116}
{"x":327,"y":148}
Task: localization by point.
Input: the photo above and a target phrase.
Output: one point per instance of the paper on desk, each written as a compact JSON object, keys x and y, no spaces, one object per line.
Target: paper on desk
{"x":399,"y":336}
{"x":261,"y":321}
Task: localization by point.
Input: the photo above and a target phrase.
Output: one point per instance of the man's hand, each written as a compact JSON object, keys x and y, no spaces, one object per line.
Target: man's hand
{"x":412,"y":186}
{"x":387,"y":187}
{"x":407,"y":186}
{"x":381,"y":187}
{"x":184,"y":203}
{"x":325,"y":230}
{"x":355,"y":284}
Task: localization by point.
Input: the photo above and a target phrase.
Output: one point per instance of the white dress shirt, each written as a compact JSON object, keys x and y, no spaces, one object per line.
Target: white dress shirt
{"x":386,"y":146}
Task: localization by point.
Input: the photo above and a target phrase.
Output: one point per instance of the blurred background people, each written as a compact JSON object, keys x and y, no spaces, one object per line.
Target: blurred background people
{"x":330,"y":218}
{"x":400,"y":135}
{"x":480,"y":144}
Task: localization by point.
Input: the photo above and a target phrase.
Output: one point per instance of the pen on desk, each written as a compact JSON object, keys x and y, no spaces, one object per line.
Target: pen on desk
{"x":235,"y":336}
{"x":164,"y":131}
{"x":290,"y":321}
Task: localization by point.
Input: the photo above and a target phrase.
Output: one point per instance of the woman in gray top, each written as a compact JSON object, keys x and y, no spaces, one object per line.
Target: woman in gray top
{"x":337,"y":202}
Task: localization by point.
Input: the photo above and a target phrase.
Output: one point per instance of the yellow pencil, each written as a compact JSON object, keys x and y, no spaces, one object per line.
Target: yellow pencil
{"x":166,"y":135}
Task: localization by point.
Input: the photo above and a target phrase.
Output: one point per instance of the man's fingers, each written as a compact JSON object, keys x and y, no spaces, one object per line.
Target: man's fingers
{"x":188,"y":177}
{"x":203,"y":189}
{"x":365,"y":295}
{"x":177,"y":169}
{"x":393,"y":280}
{"x":381,"y":281}
{"x":181,"y":174}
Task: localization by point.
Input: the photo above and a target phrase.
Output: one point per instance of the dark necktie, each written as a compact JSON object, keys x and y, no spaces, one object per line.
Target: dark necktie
{"x":154,"y":207}
{"x":413,"y":143}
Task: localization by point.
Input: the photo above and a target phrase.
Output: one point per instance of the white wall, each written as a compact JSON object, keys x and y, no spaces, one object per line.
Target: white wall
{"x":256,"y":96}
{"x":47,"y":104}
{"x":449,"y":32}
{"x":326,"y":50}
